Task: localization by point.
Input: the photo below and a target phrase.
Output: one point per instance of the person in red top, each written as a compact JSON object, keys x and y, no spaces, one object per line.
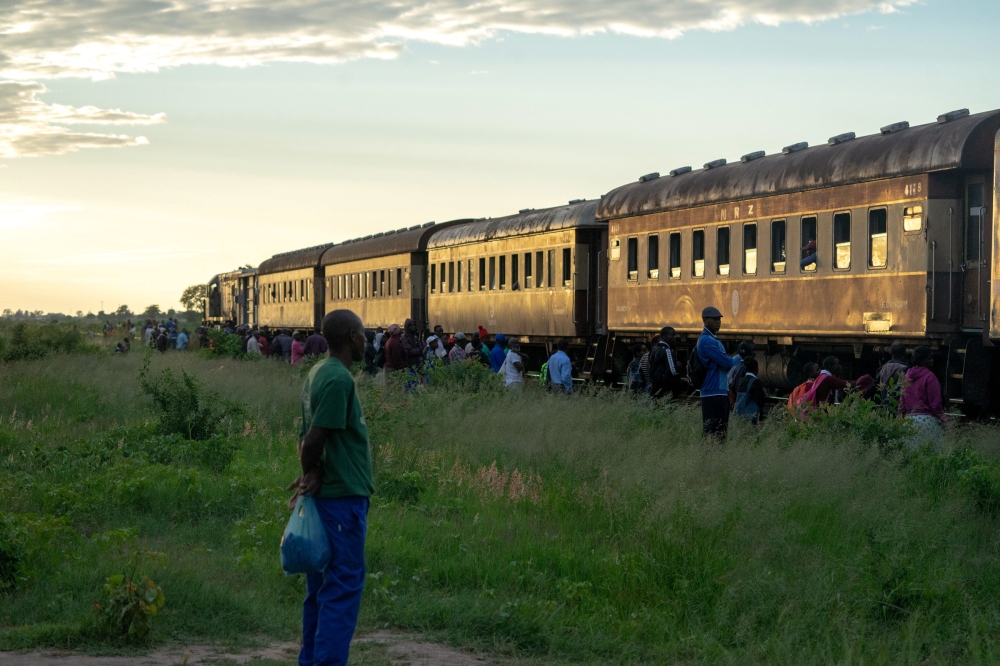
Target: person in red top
{"x":920,"y":400}
{"x":395,"y":353}
{"x":828,"y":382}
{"x":812,"y":372}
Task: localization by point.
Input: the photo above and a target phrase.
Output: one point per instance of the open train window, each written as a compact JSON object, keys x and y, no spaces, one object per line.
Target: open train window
{"x":842,"y":241}
{"x":653,"y":257}
{"x":675,"y":256}
{"x":482,"y":274}
{"x":458,"y":276}
{"x":399,"y":281}
{"x":878,"y":238}
{"x":722,"y":250}
{"x":503,"y":271}
{"x":539,"y":273}
{"x":451,"y":277}
{"x":698,"y":253}
{"x":528,"y":277}
{"x":443,"y":277}
{"x":515,"y":279}
{"x":433,"y":278}
{"x":809,"y":244}
{"x":913,"y":218}
{"x":633,"y":258}
{"x":375,"y":290}
{"x":552,"y":268}
{"x":468,"y":272}
{"x":750,"y":248}
{"x":381,"y":283}
{"x":567,"y":266}
{"x":493,"y":273}
{"x":778,"y":249}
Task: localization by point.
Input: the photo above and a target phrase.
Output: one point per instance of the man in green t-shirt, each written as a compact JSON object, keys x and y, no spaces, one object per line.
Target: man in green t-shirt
{"x":337,"y":472}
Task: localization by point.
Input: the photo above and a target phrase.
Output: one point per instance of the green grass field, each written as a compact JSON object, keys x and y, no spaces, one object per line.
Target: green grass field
{"x":595,"y":529}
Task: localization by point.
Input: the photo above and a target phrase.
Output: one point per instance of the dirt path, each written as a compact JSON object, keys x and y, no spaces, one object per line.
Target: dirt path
{"x":387,"y":648}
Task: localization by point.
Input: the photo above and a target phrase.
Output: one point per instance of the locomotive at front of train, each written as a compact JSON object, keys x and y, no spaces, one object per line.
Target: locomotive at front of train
{"x":382,"y":277}
{"x":230,"y":298}
{"x":537,"y":276}
{"x":290,"y":292}
{"x":837,"y":249}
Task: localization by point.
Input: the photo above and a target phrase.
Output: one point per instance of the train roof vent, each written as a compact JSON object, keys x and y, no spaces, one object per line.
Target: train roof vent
{"x":428,"y":224}
{"x":379,"y":234}
{"x":402,"y":229}
{"x":525,"y":210}
{"x":842,"y":138}
{"x":715,"y":163}
{"x":794,"y":148}
{"x":576,"y":201}
{"x":415,"y":226}
{"x":680,"y":170}
{"x":368,"y":237}
{"x":355,"y":240}
{"x":390,"y":232}
{"x":953,"y":115}
{"x":895,"y":127}
{"x":649,"y":176}
{"x":750,"y":157}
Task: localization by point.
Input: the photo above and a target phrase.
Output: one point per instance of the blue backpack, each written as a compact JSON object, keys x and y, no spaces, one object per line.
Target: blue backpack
{"x":746,"y":407}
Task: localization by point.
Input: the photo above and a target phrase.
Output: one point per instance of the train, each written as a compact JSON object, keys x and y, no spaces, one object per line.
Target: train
{"x":839,"y":248}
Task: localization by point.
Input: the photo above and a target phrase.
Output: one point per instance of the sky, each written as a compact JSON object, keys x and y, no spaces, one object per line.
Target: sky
{"x":146,"y":145}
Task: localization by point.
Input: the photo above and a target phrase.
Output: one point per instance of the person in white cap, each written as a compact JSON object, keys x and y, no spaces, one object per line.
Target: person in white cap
{"x":714,"y":387}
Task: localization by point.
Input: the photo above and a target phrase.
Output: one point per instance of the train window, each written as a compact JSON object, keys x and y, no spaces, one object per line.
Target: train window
{"x":878,"y":238}
{"x":458,"y":276}
{"x":527,"y":270}
{"x":515,"y":283}
{"x":913,"y":218}
{"x":451,"y":277}
{"x":842,"y":241}
{"x":722,"y":250}
{"x":309,"y":287}
{"x":482,"y":273}
{"x":468,"y":272}
{"x":809,"y":244}
{"x":503,"y":271}
{"x":698,"y":253}
{"x":615,"y":251}
{"x":399,"y":281}
{"x":340,"y":287}
{"x":778,"y":249}
{"x":381,"y":283}
{"x":974,"y":228}
{"x":433,"y":278}
{"x":653,"y":258}
{"x":375,"y":285}
{"x":539,"y":273}
{"x":389,"y":283}
{"x":567,"y":267}
{"x":493,"y":273}
{"x":750,"y":248}
{"x":443,"y":277}
{"x":675,"y":256}
{"x":633,"y":259}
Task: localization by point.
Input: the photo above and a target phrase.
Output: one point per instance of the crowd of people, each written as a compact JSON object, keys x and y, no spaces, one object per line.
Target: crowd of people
{"x":729,"y":385}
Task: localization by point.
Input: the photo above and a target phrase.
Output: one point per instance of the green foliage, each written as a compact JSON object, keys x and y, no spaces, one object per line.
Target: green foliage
{"x":466,"y":376}
{"x":854,"y":419}
{"x":31,"y":545}
{"x":187,"y":408}
{"x":404,"y":488}
{"x":130,"y":601}
{"x":222,"y":345}
{"x":31,"y":342}
{"x":194,"y":296}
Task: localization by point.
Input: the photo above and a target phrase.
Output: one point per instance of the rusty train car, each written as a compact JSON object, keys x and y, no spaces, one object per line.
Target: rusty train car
{"x":837,"y":248}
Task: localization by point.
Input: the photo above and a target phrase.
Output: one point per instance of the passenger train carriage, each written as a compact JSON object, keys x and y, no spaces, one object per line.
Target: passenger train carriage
{"x":838,"y":248}
{"x":229,"y":297}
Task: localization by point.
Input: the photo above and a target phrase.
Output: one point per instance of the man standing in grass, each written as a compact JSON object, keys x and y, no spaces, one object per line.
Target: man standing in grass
{"x":714,"y":389}
{"x":337,"y":472}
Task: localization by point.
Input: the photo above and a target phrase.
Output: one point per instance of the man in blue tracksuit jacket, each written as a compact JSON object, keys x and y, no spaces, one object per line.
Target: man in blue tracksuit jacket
{"x":715,"y":389}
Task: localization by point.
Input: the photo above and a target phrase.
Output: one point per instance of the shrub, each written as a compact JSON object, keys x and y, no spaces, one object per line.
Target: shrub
{"x":187,"y":408}
{"x":222,"y":344}
{"x":855,"y":418}
{"x":38,"y":341}
{"x":131,"y":600}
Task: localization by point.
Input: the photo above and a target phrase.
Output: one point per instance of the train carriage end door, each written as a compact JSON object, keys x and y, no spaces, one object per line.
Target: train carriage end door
{"x":978,"y":246}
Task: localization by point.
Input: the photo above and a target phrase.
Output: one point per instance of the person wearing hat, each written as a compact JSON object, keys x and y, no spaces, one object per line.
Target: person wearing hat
{"x":717,"y":363}
{"x":457,"y":353}
{"x":499,"y":352}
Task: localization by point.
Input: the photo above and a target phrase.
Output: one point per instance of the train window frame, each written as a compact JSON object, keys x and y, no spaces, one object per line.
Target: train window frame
{"x":528,"y":273}
{"x":433,"y":280}
{"x":723,"y":268}
{"x":911,"y":214}
{"x":493,"y":273}
{"x":550,"y":273}
{"x":458,"y":276}
{"x":632,"y":259}
{"x":375,"y":291}
{"x":884,"y":238}
{"x":482,"y":273}
{"x":399,"y":281}
{"x":675,"y":249}
{"x":451,"y":277}
{"x":779,"y":267}
{"x":973,"y":233}
{"x":842,"y":249}
{"x":567,"y":268}
{"x":443,"y":277}
{"x":803,"y":220}
{"x":381,"y":283}
{"x":749,"y":227}
{"x":698,"y":248}
{"x":539,"y":269}
{"x":469,"y":276}
{"x":515,"y":267}
{"x":653,"y":257}
{"x":502,"y":272}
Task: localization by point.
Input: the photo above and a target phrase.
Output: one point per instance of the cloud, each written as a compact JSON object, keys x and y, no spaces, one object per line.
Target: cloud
{"x":29,"y":127}
{"x":26,"y":212}
{"x":97,"y":38}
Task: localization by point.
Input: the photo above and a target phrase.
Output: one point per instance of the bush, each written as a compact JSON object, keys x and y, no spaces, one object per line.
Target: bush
{"x":188,"y":409}
{"x":38,"y":341}
{"x":222,"y":344}
{"x":855,"y":419}
{"x":131,"y":600}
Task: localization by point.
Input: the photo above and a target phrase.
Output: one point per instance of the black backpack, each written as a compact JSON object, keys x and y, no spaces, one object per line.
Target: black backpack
{"x":697,"y":371}
{"x":659,"y":370}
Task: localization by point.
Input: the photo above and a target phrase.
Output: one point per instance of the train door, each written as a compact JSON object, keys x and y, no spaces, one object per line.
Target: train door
{"x":978,"y":248}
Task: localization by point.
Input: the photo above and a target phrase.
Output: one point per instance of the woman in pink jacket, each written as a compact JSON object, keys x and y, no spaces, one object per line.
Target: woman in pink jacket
{"x":920,"y":400}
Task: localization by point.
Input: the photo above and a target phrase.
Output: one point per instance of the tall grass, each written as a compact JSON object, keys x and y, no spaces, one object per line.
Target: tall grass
{"x":597,"y":528}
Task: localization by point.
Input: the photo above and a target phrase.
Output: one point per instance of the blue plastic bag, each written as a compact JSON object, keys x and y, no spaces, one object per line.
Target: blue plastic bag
{"x":305,"y":546}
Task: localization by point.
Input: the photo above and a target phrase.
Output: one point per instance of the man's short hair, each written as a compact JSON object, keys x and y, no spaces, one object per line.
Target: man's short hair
{"x":637,"y":349}
{"x":666,"y":332}
{"x":897,"y":349}
{"x":810,"y":368}
{"x":338,"y":327}
{"x":751,"y":365}
{"x":830,"y":362}
{"x":562,"y":345}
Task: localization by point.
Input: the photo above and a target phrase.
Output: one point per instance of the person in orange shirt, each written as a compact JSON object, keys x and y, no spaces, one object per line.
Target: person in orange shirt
{"x":812,"y":372}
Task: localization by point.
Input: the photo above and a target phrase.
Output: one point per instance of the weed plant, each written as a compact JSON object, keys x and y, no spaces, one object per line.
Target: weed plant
{"x":597,"y":528}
